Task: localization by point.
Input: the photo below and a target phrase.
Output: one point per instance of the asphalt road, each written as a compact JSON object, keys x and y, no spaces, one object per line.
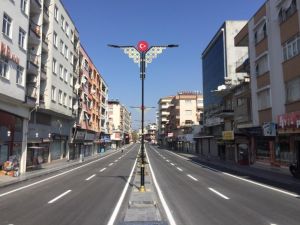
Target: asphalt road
{"x":87,"y":195}
{"x":198,"y":195}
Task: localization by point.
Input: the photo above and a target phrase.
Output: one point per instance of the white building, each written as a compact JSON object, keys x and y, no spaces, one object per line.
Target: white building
{"x":162,"y":116}
{"x":14,"y":113}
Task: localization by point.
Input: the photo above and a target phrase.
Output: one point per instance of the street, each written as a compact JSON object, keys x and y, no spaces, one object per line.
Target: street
{"x":200,"y":195}
{"x":84,"y":196}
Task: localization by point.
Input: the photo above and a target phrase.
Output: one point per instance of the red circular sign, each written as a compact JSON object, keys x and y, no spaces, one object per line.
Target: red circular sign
{"x":142,"y":46}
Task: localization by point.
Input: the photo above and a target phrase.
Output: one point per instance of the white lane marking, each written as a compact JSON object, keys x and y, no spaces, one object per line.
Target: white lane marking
{"x":172,"y":164}
{"x":116,"y":160}
{"x":244,"y":179}
{"x":168,"y":160}
{"x":263,"y":185}
{"x":90,"y":177}
{"x":163,"y":201}
{"x":190,"y":176}
{"x":179,"y":168}
{"x":111,"y":164}
{"x":120,"y":158}
{"x":118,"y":206}
{"x":102,"y":169}
{"x":57,"y":175}
{"x":60,"y":196}
{"x":218,"y":193}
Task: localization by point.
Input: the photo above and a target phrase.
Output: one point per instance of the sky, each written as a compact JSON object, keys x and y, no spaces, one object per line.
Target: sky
{"x":189,"y":23}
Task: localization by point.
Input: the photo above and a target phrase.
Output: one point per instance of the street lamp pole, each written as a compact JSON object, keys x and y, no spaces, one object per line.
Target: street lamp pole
{"x":143,"y":55}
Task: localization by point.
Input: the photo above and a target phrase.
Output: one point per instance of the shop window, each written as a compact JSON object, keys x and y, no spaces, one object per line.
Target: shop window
{"x":262,"y":149}
{"x":283,"y":153}
{"x":43,"y":119}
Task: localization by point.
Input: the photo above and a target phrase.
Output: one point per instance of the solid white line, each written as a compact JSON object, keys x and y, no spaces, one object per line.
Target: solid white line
{"x":179,"y":168}
{"x":190,"y":176}
{"x":163,"y":201}
{"x":118,"y":206}
{"x":111,"y":164}
{"x":90,"y":177}
{"x":52,"y":177}
{"x":60,"y":196}
{"x":102,"y":169}
{"x":262,"y":185}
{"x":218,"y":193}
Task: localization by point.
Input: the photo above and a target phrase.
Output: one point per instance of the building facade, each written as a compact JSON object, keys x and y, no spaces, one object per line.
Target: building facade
{"x":219,"y":70}
{"x":14,"y":112}
{"x":274,"y":57}
{"x":162,"y":118}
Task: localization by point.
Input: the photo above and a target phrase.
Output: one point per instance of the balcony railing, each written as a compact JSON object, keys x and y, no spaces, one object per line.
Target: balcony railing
{"x":241,"y":60}
{"x":36,"y":29}
{"x":33,"y":59}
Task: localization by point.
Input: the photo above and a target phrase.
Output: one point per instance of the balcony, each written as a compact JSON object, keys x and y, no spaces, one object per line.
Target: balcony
{"x":46,"y":13}
{"x":242,"y":38}
{"x":225,"y":112}
{"x":34,"y":34}
{"x":243,"y":65}
{"x":35,"y":6}
{"x":44,"y":71}
{"x":32,"y":64}
{"x":31,"y":91}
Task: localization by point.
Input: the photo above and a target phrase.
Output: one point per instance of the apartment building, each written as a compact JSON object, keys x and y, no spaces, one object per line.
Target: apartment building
{"x":119,"y":120}
{"x":53,"y":47}
{"x":272,"y":36}
{"x":162,"y":118}
{"x":14,"y":113}
{"x":184,"y":113}
{"x":219,"y":71}
{"x":151,"y":134}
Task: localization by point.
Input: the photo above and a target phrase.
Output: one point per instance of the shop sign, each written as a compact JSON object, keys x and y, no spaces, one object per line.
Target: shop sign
{"x":289,"y":123}
{"x":214,"y":121}
{"x":89,"y":136}
{"x":80,"y":135}
{"x":228,"y":135}
{"x":269,"y":129}
{"x":6,"y":52}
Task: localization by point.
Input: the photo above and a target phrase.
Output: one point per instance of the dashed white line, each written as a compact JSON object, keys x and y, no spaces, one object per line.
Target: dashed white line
{"x":168,"y":160}
{"x":179,"y":169}
{"x":60,"y":196}
{"x":102,"y":169}
{"x":116,"y":160}
{"x":90,"y":177}
{"x":111,"y":164}
{"x":172,"y":164}
{"x":218,"y":193}
{"x":190,"y":176}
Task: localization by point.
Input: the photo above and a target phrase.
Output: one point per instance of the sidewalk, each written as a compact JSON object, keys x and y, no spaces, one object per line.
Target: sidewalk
{"x":258,"y":171}
{"x":48,"y":168}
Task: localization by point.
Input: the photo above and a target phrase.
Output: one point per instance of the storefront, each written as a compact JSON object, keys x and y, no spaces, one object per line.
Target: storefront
{"x":287,"y":147}
{"x":11,"y":136}
{"x":58,"y":146}
{"x":77,"y":144}
{"x":88,"y":147}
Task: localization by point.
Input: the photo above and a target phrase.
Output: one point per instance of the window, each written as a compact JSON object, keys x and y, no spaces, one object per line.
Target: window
{"x":66,"y":52}
{"x":263,"y":99}
{"x":285,"y":13}
{"x":65,"y":99}
{"x":72,"y":36}
{"x":62,"y":47}
{"x":4,"y":68}
{"x":53,"y":93}
{"x":61,"y":73}
{"x":62,"y":22}
{"x":24,"y":6}
{"x":291,"y":48}
{"x":22,"y":36}
{"x":20,"y":75}
{"x":72,"y":58}
{"x":55,"y":39}
{"x":67,"y":29}
{"x":262,"y":65}
{"x":70,"y":102}
{"x":54,"y":66}
{"x":60,"y":97}
{"x":56,"y":13}
{"x":6,"y":26}
{"x":66,"y":75}
{"x":293,"y":90}
{"x":260,"y":33}
{"x":71,"y":80}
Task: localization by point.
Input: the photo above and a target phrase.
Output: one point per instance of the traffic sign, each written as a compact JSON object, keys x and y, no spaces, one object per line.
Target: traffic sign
{"x":142,"y":46}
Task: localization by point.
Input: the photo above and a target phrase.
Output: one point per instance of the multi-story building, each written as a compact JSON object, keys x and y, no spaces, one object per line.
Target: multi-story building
{"x":119,"y":120}
{"x":52,"y":52}
{"x":272,"y":36}
{"x":151,"y":134}
{"x":162,"y":118}
{"x":219,"y":70}
{"x":14,"y":113}
{"x":184,"y":113}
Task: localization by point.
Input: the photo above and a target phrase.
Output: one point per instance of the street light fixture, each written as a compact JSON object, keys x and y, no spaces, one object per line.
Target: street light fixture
{"x":143,"y":55}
